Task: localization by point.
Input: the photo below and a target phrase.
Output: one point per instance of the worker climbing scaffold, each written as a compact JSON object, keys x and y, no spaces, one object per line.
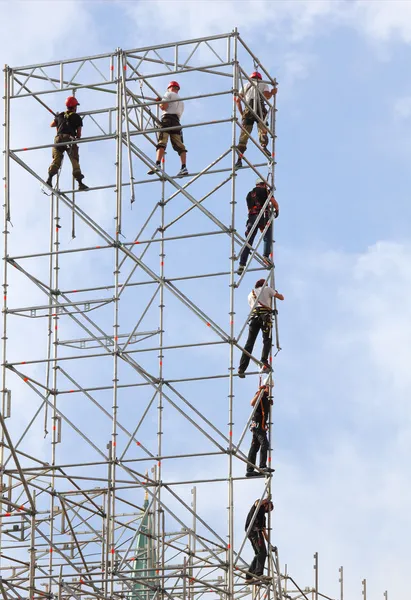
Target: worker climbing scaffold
{"x":256,"y":199}
{"x":253,"y":95}
{"x":172,"y":108}
{"x":69,"y":126}
{"x":259,"y":425}
{"x":260,"y":302}
{"x":256,"y":530}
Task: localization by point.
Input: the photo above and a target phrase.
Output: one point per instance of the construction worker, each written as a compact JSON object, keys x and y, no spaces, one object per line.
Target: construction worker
{"x":257,"y":535}
{"x":253,"y":93}
{"x":69,"y":125}
{"x":255,"y":201}
{"x":173,"y":109}
{"x":259,"y":427}
{"x":259,"y":300}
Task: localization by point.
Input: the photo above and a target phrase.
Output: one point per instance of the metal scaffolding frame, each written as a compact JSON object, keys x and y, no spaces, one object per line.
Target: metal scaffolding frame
{"x":72,"y":497}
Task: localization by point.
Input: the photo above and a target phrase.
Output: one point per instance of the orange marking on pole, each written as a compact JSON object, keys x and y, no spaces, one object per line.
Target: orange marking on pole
{"x":231,"y":322}
{"x":71,"y":391}
{"x":159,"y":463}
{"x":228,"y":546}
{"x":54,"y":428}
{"x":271,"y":359}
{"x":112,"y":551}
{"x":112,"y":68}
{"x":7,"y":515}
{"x":24,"y":148}
{"x":208,"y":325}
{"x":157,"y":572}
{"x":81,"y":581}
{"x":163,"y":160}
{"x":56,"y":327}
{"x":138,"y":443}
{"x":136,"y":242}
{"x":161,"y":264}
{"x":51,"y":550}
{"x":125,"y":67}
{"x":114,"y":443}
{"x":25,"y":379}
{"x":23,"y":363}
{"x":230,"y":433}
{"x":269,"y":459}
{"x":22,"y":507}
{"x":161,"y":363}
{"x":4,"y":297}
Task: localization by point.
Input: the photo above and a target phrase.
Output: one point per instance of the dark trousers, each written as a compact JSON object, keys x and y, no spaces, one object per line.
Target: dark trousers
{"x":258,"y":443}
{"x":267,"y":237}
{"x":260,"y":320}
{"x":257,"y":541}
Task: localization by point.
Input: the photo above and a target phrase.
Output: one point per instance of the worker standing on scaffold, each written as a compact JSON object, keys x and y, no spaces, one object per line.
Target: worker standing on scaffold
{"x":253,"y":93}
{"x":259,"y":300}
{"x":259,"y":427}
{"x":173,"y":109}
{"x":257,"y":535}
{"x":255,"y":201}
{"x":69,"y":125}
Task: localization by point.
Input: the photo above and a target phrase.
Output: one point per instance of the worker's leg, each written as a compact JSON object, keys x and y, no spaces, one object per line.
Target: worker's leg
{"x":261,"y":437}
{"x":262,"y":135}
{"x":247,"y":123}
{"x":261,"y":555}
{"x":75,"y":162}
{"x":267,"y":241}
{"x":266,"y":327}
{"x":57,"y":156}
{"x":252,"y":454}
{"x":253,"y":537}
{"x":178,"y":145}
{"x":246,"y":250}
{"x":253,"y":329}
{"x":162,"y":144}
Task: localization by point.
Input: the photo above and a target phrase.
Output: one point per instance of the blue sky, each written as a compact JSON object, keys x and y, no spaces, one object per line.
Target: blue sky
{"x":342,"y":419}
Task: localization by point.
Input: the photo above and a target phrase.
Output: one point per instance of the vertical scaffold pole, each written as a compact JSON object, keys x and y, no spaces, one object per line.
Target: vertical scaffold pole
{"x":341,"y":580}
{"x":364,"y":589}
{"x":230,"y":545}
{"x":316,"y":576}
{"x":6,"y":179}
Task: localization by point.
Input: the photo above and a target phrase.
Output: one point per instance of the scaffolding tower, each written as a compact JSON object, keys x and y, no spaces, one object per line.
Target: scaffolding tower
{"x":123,"y":451}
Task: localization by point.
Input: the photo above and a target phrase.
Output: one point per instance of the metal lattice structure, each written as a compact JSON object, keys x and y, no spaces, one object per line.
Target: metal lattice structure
{"x":122,"y":315}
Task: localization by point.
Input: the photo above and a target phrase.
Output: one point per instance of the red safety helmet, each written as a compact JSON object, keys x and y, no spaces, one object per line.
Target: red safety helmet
{"x":173,"y":84}
{"x":71,"y":102}
{"x":255,"y":75}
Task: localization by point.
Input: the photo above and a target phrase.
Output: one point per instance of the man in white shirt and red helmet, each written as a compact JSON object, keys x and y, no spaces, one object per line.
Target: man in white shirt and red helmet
{"x":259,"y":300}
{"x":173,"y":109}
{"x":254,"y":94}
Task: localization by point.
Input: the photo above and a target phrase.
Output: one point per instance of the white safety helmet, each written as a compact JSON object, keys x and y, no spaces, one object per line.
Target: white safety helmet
{"x":260,"y":181}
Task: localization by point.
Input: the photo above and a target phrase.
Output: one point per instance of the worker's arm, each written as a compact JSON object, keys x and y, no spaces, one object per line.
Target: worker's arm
{"x":53,"y":123}
{"x":265,"y":534}
{"x":268,"y":94}
{"x":278,"y":295}
{"x":78,"y":132}
{"x":275,"y":205}
{"x":256,"y":395}
{"x":237,"y":100}
{"x":164,"y":105}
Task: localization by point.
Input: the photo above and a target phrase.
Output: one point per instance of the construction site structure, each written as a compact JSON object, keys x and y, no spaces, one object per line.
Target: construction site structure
{"x":123,"y":453}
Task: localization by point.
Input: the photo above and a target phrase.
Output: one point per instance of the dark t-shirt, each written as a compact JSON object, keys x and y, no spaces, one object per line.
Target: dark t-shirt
{"x":256,"y":199}
{"x":68,"y":123}
{"x":262,"y":411}
{"x":259,"y":521}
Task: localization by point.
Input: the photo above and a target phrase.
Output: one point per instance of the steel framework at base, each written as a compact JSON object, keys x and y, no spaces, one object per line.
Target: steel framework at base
{"x":116,"y":470}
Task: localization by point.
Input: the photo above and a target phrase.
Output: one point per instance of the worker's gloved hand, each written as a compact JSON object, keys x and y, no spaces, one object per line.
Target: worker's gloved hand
{"x":276,"y":212}
{"x":158,"y":99}
{"x":273,"y":548}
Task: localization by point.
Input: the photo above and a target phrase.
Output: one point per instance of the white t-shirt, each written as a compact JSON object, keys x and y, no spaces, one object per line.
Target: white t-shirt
{"x":175,"y":105}
{"x":249,"y":91}
{"x":263,"y":295}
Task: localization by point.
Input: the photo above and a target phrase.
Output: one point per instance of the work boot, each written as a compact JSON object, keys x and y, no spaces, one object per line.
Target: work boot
{"x":82,"y":187}
{"x":267,"y":470}
{"x":50,"y":180}
{"x":266,"y":151}
{"x":238,"y":164}
{"x":154,"y":169}
{"x":240,"y":269}
{"x":268,"y":262}
{"x":266,"y":367}
{"x":253,"y":474}
{"x":241,"y":374}
{"x":183,"y":171}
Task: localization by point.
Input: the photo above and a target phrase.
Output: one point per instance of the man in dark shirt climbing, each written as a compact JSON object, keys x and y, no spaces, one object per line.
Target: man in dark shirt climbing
{"x":259,"y":427}
{"x":68,"y":125}
{"x":257,"y":535}
{"x":255,"y":201}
